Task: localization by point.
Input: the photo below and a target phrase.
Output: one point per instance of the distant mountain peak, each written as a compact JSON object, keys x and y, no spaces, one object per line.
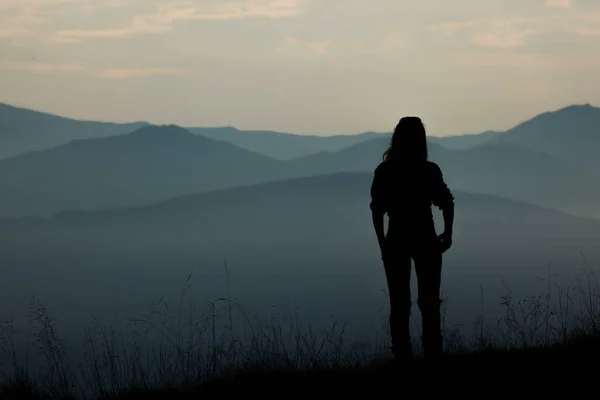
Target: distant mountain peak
{"x":584,"y":105}
{"x":157,"y":131}
{"x":563,"y":117}
{"x":35,"y":113}
{"x":151,"y":134}
{"x":575,"y":108}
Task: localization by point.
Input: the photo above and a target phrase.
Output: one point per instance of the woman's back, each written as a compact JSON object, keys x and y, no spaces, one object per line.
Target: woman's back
{"x":405,"y":186}
{"x":407,"y":190}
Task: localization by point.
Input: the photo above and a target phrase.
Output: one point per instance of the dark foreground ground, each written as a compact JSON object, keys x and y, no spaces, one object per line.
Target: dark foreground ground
{"x":562,"y":370}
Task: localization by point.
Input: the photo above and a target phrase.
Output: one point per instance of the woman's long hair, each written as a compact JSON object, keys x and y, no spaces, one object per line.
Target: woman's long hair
{"x":409,"y":141}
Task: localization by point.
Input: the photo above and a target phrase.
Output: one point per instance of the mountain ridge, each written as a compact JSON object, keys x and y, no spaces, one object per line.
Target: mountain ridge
{"x":321,"y":182}
{"x":148,"y":164}
{"x":278,"y":145}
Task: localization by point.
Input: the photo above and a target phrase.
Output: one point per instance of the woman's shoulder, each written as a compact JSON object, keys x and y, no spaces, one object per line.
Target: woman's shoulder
{"x":387,"y":166}
{"x":383,"y":167}
{"x":433,"y":167}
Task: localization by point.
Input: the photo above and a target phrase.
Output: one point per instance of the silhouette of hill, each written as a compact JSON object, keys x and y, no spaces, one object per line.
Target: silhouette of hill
{"x":345,"y":378}
{"x":278,"y":239}
{"x":568,"y":134}
{"x":307,"y":239}
{"x":290,"y":212}
{"x":500,"y":169}
{"x":467,"y":141}
{"x":150,"y":164}
{"x":571,"y":134}
{"x":155,"y":163}
{"x":535,"y":162}
{"x":23,"y":130}
{"x":283,"y":146}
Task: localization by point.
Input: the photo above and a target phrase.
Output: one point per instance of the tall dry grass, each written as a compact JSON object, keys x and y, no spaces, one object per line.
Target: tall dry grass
{"x":179,"y":345}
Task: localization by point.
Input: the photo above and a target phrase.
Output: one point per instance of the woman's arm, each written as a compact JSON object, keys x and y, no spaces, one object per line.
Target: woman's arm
{"x":378,"y":224}
{"x":444,"y":200}
{"x":377,"y":206}
{"x":448,"y":213}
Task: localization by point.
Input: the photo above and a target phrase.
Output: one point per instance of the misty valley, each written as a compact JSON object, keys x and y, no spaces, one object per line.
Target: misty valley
{"x":104,"y":221}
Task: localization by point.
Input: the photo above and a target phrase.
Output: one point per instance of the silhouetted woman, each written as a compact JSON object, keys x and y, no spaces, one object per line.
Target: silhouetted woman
{"x":405,"y":186}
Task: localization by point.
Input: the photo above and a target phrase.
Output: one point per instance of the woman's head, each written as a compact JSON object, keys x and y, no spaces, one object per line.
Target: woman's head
{"x":409,"y":141}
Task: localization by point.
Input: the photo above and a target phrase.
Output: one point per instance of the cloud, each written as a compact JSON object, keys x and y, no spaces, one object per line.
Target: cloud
{"x":396,"y":41}
{"x":169,"y":13}
{"x":389,"y":44}
{"x":587,"y":24}
{"x":490,"y":32}
{"x":28,"y":18}
{"x":559,"y":3}
{"x":495,"y":60}
{"x":105,"y":73}
{"x":40,"y":68}
{"x":519,"y":42}
{"x":537,"y":62}
{"x":34,"y":18}
{"x":305,"y":48}
{"x":126,"y":73}
{"x":506,"y":39}
{"x":511,"y":33}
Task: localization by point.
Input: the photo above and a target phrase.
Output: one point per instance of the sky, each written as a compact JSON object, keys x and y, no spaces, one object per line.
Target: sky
{"x":301,"y":66}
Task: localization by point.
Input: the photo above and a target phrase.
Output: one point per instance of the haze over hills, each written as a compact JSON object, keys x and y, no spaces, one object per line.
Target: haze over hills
{"x":499,"y":169}
{"x":317,"y":200}
{"x":293,"y":231}
{"x":278,"y":239}
{"x":156,"y":163}
{"x":467,"y":141}
{"x":283,"y":146}
{"x":150,"y":164}
{"x":23,"y":130}
{"x":571,"y":134}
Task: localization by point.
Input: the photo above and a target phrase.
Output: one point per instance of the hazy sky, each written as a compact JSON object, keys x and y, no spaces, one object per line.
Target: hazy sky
{"x":304,"y":66}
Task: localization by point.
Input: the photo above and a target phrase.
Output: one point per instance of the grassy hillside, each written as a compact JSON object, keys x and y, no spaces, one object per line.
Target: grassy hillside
{"x":538,"y":338}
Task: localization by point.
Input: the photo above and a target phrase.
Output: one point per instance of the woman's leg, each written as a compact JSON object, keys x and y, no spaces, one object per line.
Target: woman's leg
{"x":397,"y":265}
{"x":428,"y":267}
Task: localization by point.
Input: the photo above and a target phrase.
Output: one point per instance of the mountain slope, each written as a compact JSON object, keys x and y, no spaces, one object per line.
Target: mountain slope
{"x":23,"y":130}
{"x":571,"y":134}
{"x":499,"y":169}
{"x":143,"y":167}
{"x":327,"y":214}
{"x":150,"y":164}
{"x":308,"y":242}
{"x":464,"y":142}
{"x":283,"y":146}
{"x":156,"y":163}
